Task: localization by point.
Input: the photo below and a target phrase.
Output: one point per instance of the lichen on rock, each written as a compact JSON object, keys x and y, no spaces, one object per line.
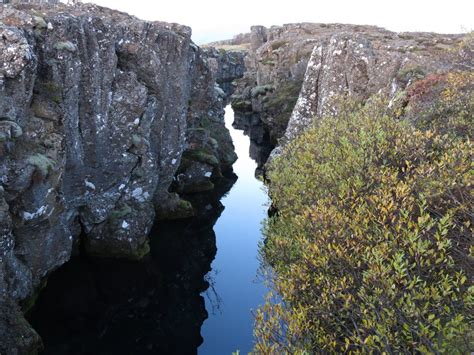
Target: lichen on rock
{"x":95,"y":107}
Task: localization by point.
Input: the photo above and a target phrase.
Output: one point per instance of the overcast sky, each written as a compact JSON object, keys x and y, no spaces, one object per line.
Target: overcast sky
{"x":218,"y":19}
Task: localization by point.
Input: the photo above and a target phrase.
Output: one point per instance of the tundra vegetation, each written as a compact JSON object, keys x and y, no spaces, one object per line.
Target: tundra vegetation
{"x":371,"y":249}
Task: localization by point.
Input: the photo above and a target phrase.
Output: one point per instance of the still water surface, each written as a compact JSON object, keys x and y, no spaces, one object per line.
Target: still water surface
{"x":193,"y":294}
{"x":234,"y":270}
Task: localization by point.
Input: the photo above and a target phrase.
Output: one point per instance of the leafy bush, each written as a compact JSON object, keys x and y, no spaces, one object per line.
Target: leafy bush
{"x":372,"y":243}
{"x":444,"y":103}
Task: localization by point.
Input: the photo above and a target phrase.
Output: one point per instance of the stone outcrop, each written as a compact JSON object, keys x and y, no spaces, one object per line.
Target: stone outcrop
{"x":228,"y":64}
{"x":209,"y":151}
{"x":97,"y":110}
{"x":360,"y":66}
{"x":105,"y":119}
{"x":330,"y":60}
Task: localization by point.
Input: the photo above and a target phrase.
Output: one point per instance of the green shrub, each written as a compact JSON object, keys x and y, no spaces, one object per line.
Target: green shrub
{"x":285,"y":95}
{"x":443,"y":103}
{"x":372,"y":243}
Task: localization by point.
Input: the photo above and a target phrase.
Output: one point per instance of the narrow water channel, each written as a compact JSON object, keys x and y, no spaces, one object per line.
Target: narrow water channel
{"x":234,"y":270}
{"x":194,"y":294}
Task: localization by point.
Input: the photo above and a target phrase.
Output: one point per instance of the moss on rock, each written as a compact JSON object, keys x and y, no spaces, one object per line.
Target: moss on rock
{"x":116,"y":215}
{"x":242,"y":105}
{"x":40,"y":23}
{"x":198,"y":186}
{"x":42,"y":163}
{"x":66,"y":46}
{"x":261,"y":90}
{"x":202,"y":155}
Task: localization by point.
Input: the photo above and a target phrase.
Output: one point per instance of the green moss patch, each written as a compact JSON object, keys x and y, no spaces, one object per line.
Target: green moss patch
{"x":65,"y":46}
{"x":201,"y":155}
{"x":42,"y":163}
{"x":118,"y":214}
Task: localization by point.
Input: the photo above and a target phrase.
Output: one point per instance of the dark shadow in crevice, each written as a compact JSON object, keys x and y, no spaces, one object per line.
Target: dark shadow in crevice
{"x":108,"y":306}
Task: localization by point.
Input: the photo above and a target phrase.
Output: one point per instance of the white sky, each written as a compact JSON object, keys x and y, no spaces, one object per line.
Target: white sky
{"x":219,"y":19}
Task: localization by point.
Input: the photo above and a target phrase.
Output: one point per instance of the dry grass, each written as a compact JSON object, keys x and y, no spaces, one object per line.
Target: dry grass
{"x":229,"y":47}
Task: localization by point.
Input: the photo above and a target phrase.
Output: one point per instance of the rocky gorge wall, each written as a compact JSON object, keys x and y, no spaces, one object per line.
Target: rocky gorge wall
{"x":101,"y":116}
{"x":309,"y":65}
{"x":106,"y":122}
{"x":229,"y":66}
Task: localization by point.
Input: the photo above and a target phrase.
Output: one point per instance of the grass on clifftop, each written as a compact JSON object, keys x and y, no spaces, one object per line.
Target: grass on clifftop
{"x":372,"y":243}
{"x":244,"y":47}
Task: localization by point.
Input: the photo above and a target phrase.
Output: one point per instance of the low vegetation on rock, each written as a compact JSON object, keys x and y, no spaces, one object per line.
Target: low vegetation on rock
{"x":372,"y":242}
{"x":42,"y":163}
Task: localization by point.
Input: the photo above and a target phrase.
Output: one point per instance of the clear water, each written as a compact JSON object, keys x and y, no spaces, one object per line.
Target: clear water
{"x":194,"y":294}
{"x":234,"y":270}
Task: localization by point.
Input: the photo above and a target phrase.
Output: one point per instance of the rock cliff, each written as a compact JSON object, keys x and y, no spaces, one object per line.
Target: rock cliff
{"x":228,"y":64}
{"x":331,"y":59}
{"x":98,"y":111}
{"x":361,"y":66}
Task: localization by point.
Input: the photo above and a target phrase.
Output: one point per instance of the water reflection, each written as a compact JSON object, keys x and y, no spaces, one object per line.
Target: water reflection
{"x":234,"y":270}
{"x":95,"y":306}
{"x":260,"y":142}
{"x":158,"y":306}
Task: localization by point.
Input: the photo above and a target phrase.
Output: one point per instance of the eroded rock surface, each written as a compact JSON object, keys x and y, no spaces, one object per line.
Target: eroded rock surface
{"x":228,"y":65}
{"x":360,"y":66}
{"x":96,"y":110}
{"x":325,"y":61}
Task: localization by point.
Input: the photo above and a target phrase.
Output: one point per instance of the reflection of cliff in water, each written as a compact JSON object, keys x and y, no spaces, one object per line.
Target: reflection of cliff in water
{"x":260,"y":143}
{"x":95,"y":306}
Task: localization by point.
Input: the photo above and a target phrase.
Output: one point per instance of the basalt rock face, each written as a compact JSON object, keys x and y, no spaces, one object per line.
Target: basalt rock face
{"x":209,"y":151}
{"x":330,"y":60}
{"x":228,"y":65}
{"x":96,"y":108}
{"x":362,"y":65}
